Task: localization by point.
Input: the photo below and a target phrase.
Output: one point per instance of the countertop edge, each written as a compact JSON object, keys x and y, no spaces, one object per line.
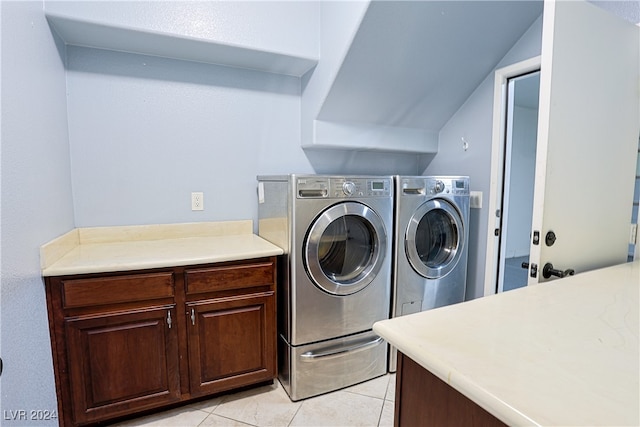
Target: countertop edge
{"x":453,"y":378}
{"x":143,"y":247}
{"x":608,"y":305}
{"x":61,"y":271}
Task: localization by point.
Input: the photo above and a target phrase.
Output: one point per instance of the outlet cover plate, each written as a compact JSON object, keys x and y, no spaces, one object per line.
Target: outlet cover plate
{"x":197,"y":201}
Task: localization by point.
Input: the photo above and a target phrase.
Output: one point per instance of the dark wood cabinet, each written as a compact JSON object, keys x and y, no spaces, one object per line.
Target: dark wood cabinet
{"x":122,"y":360}
{"x":128,"y":342}
{"x":231,"y":343}
{"x":231,"y":325}
{"x":423,"y":399}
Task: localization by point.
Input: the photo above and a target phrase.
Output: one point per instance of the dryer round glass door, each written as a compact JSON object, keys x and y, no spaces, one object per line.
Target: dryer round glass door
{"x":433,"y":239}
{"x":344,"y":248}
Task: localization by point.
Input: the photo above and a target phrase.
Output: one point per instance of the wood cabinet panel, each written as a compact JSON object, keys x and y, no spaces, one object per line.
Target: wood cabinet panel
{"x":422,"y":399}
{"x":97,"y":291}
{"x":229,"y":277}
{"x":231,"y":342}
{"x":121,"y":361}
{"x":122,"y":344}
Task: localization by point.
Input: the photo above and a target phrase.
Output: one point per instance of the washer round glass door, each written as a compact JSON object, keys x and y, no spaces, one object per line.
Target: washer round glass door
{"x":433,"y":240}
{"x":344,"y":248}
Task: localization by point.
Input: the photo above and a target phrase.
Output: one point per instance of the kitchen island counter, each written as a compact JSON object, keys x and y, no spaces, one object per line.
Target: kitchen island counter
{"x":109,"y":249}
{"x":563,"y":352}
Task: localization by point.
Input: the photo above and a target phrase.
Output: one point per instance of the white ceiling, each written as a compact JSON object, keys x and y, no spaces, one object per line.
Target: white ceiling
{"x":414,"y":63}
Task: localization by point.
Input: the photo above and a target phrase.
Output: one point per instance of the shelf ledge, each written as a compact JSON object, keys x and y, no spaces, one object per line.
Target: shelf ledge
{"x":125,"y":39}
{"x":372,"y":137}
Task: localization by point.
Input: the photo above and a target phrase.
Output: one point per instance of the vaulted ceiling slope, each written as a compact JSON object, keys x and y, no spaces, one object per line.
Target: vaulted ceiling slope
{"x":414,"y":63}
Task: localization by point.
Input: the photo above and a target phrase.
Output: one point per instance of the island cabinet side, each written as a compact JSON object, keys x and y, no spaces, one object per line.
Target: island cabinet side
{"x":423,"y":399}
{"x":125,"y":343}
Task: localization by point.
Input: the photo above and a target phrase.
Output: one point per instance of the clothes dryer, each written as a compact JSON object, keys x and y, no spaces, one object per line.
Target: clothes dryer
{"x":335,"y":281}
{"x":431,"y":244}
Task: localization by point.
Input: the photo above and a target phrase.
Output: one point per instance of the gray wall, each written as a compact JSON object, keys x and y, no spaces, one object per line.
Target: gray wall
{"x":145,"y":132}
{"x":36,"y":202}
{"x":473,"y":122}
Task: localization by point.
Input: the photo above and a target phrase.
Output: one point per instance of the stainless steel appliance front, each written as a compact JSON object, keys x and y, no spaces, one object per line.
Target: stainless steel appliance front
{"x":431,"y":244}
{"x":336,"y":233}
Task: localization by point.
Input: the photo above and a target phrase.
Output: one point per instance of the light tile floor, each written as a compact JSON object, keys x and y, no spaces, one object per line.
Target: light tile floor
{"x":368,"y":404}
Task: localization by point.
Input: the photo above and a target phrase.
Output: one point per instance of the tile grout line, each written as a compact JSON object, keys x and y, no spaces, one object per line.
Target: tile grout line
{"x":294,"y":415}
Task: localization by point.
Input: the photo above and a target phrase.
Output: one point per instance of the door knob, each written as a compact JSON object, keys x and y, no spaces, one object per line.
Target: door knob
{"x":548,"y":271}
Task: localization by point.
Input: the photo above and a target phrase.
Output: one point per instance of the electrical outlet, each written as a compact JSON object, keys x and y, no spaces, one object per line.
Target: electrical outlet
{"x":197,"y":201}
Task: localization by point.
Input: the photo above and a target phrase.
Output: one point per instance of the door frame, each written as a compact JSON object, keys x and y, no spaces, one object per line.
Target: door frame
{"x":501,"y":80}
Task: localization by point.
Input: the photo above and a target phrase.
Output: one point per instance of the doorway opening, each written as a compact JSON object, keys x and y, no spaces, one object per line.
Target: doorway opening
{"x":516,"y":95}
{"x":518,"y":180}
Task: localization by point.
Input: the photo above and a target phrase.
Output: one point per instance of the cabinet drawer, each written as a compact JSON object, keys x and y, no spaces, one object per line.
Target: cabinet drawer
{"x":227,"y":277}
{"x":116,"y":289}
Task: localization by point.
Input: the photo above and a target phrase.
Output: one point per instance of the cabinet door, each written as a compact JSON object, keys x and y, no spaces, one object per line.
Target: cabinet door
{"x":231,"y":342}
{"x":122,"y":362}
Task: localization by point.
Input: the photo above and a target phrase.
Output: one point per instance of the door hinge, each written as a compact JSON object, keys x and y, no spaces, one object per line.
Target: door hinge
{"x":633,"y":234}
{"x":169,"y":321}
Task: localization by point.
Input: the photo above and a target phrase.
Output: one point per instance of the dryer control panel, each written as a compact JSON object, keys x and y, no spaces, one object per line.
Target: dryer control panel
{"x":343,"y":187}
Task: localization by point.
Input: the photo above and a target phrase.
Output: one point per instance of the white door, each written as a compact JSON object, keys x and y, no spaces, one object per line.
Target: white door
{"x":587,"y":138}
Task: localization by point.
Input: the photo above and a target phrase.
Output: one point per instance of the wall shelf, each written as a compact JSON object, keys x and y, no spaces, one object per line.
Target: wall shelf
{"x":79,"y":32}
{"x":369,"y":137}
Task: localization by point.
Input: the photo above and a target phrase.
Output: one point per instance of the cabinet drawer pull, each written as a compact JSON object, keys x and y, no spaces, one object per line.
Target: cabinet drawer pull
{"x":169,"y":318}
{"x":193,"y":317}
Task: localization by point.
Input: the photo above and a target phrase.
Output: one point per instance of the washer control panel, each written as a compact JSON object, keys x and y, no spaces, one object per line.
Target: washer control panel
{"x":360,"y":187}
{"x":457,"y":186}
{"x":343,"y":187}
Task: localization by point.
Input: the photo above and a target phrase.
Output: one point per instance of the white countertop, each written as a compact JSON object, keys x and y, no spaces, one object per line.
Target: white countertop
{"x":563,"y":352}
{"x":108,"y":249}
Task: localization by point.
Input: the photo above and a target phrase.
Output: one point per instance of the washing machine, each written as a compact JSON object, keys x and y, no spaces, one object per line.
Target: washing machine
{"x":431,"y":244}
{"x":335,"y":276}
